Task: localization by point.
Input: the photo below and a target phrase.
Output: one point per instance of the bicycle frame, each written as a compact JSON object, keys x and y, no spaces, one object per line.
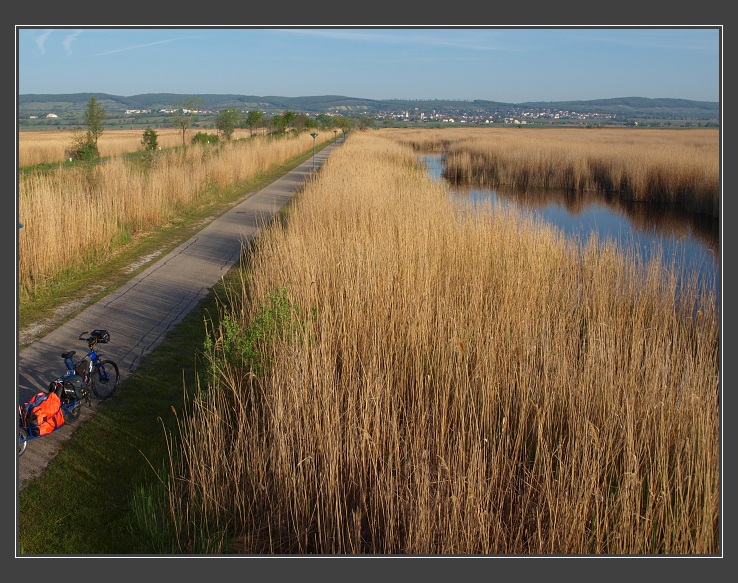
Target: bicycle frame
{"x":93,"y":360}
{"x":100,"y":375}
{"x":94,"y":366}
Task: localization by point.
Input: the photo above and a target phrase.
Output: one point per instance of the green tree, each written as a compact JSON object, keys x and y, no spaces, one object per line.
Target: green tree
{"x":288,"y":117}
{"x":324,"y":121}
{"x":149,"y":140}
{"x":343,"y":123}
{"x":185,"y":114}
{"x":228,"y":120}
{"x":279,"y":123}
{"x":82,"y":146}
{"x":363,"y":122}
{"x":94,"y":117}
{"x":303,"y":122}
{"x":253,"y":119}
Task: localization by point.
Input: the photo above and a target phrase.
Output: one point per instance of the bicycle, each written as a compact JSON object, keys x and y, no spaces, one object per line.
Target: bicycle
{"x":99,"y":375}
{"x":92,"y":374}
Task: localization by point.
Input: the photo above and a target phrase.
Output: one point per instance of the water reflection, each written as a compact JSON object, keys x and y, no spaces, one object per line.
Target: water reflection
{"x":691,"y":241}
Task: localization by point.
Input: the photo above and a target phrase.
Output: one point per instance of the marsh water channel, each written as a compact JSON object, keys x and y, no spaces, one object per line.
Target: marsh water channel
{"x":691,"y":241}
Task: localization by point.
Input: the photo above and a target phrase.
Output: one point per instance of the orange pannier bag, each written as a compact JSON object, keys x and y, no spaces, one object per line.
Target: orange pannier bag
{"x":43,"y":413}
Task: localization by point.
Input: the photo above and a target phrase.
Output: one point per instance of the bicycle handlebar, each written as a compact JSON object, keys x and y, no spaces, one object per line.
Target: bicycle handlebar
{"x":95,"y":336}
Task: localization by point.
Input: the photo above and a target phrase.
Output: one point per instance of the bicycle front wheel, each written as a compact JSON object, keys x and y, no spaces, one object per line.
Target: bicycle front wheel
{"x":22,"y":439}
{"x":104,"y":381}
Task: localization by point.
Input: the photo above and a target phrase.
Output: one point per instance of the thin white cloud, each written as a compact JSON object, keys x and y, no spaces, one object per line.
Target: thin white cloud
{"x":497,"y":38}
{"x":145,"y":45}
{"x":41,"y":41}
{"x":135,"y":47}
{"x":69,"y":40}
{"x":413,"y":37}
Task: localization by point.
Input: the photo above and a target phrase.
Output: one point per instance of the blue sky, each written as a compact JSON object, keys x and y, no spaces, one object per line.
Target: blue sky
{"x":503,"y":64}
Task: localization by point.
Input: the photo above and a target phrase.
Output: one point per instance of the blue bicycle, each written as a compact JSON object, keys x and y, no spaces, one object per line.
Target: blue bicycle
{"x":99,"y":375}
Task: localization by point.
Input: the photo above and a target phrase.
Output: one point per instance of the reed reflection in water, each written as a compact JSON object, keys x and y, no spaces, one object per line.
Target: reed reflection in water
{"x":691,"y":241}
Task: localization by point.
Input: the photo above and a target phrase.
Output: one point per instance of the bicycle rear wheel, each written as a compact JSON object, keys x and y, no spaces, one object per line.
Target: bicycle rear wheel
{"x":22,"y":439}
{"x":104,"y":380}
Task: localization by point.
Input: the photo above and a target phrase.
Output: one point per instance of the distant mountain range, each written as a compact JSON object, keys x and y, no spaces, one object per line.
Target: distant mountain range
{"x":630,"y":107}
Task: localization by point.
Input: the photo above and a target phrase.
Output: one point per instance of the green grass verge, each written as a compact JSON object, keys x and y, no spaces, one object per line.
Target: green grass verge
{"x":83,"y":503}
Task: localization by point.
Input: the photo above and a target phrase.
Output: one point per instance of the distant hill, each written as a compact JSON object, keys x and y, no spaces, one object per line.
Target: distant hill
{"x":639,"y":106}
{"x":631,"y":108}
{"x":155,"y":101}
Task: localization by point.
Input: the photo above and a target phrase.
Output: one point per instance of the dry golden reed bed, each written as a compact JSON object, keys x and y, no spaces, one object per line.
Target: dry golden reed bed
{"x":679,"y":167}
{"x":77,"y":217}
{"x":451,"y":382}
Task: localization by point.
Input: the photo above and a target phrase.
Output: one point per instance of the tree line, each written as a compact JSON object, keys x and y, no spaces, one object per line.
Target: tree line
{"x":84,"y":141}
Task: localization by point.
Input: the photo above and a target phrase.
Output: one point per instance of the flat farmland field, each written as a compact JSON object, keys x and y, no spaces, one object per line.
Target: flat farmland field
{"x":48,"y":147}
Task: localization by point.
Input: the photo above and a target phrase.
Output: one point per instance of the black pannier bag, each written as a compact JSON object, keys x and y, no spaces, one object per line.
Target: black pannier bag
{"x":74,"y":386}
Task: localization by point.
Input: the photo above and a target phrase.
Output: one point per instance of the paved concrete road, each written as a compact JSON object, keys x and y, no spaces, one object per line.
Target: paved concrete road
{"x":139,"y":314}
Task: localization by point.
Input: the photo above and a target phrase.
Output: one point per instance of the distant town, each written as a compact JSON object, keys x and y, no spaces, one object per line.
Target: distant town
{"x":507,"y":117}
{"x":417,"y":115}
{"x":153,"y":109}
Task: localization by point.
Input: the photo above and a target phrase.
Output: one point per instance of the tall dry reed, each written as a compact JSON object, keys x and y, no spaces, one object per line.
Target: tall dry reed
{"x":677,"y":167}
{"x":451,"y":382}
{"x":76,"y":217}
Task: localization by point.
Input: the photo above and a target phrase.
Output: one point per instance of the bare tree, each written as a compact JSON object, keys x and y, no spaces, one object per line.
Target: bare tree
{"x":185,"y":114}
